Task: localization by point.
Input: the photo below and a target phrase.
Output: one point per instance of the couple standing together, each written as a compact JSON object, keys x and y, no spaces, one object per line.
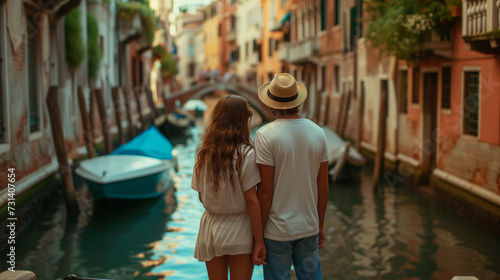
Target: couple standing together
{"x":280,"y":221}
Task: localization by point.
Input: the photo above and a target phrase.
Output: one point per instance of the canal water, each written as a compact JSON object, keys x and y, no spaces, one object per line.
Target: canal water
{"x":388,"y":234}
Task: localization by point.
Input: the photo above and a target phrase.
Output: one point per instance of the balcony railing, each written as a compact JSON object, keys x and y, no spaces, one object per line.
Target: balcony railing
{"x":231,"y":35}
{"x":301,"y":51}
{"x":438,"y":45}
{"x":253,"y":58}
{"x":284,"y":51}
{"x":480,"y":25}
{"x":130,"y":28}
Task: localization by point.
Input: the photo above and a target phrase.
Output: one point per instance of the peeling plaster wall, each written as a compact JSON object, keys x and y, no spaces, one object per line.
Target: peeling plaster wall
{"x":28,"y":152}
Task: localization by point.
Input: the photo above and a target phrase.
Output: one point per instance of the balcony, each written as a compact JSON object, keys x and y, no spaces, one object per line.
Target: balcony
{"x":284,"y":51}
{"x":253,"y":59}
{"x":436,"y":45}
{"x":304,"y":50}
{"x":480,"y":25}
{"x":130,"y":28}
{"x":231,"y":35}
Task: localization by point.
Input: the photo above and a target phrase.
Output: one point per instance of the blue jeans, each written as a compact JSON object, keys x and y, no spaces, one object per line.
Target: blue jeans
{"x":302,"y":252}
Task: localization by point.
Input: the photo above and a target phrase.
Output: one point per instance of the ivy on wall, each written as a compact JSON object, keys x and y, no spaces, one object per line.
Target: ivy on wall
{"x":148,"y":19}
{"x":399,"y":27}
{"x":74,"y":47}
{"x":93,"y":50}
{"x":167,"y":61}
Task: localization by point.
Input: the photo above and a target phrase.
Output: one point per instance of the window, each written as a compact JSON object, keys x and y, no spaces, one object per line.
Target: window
{"x":134,"y":72}
{"x":323,"y":15}
{"x":337,"y":12}
{"x":191,"y":67}
{"x":446,"y":88}
{"x":354,"y":27}
{"x":3,"y":114}
{"x":360,"y":18}
{"x":336,"y":72}
{"x":271,"y":49}
{"x":471,"y":103}
{"x":323,"y":78}
{"x":246,"y":49}
{"x":416,"y":86}
{"x":191,"y":47}
{"x":34,"y":102}
{"x":403,"y":91}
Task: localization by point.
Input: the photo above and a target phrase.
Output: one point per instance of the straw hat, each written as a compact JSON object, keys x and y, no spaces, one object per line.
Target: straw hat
{"x":283,"y":92}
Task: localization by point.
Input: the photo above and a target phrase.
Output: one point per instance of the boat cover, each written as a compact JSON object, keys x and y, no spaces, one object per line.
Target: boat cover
{"x":150,"y":143}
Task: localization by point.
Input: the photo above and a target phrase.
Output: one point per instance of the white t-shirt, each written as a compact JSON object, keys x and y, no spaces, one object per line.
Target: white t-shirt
{"x":227,"y":200}
{"x":296,"y":148}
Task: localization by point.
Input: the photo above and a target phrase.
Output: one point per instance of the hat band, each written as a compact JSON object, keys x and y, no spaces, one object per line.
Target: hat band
{"x":282,"y":99}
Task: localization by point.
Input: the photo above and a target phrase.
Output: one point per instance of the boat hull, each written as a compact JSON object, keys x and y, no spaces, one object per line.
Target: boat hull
{"x":145,"y":187}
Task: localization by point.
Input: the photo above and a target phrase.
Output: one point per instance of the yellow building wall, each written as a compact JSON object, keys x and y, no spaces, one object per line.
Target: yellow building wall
{"x":212,"y":43}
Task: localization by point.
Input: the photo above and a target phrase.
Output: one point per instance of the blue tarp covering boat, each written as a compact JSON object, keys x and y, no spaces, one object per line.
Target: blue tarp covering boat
{"x":150,"y":143}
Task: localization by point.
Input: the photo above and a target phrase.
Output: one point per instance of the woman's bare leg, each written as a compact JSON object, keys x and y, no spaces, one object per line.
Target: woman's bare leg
{"x":217,"y":268}
{"x":240,"y":267}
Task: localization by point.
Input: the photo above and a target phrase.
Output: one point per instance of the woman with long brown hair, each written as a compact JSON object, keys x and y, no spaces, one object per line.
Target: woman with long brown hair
{"x":225,"y":175}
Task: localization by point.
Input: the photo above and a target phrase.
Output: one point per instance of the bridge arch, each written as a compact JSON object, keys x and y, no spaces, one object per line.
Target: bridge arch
{"x":199,"y":91}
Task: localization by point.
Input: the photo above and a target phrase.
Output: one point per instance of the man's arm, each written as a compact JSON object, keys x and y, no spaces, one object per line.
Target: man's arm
{"x":322,"y":199}
{"x":265,"y":191}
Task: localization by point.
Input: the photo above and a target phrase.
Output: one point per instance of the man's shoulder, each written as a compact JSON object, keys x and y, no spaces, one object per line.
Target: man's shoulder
{"x":265,"y":128}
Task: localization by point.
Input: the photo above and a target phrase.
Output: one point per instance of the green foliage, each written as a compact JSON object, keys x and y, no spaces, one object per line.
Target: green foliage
{"x":93,"y":50}
{"x":399,"y":27}
{"x":148,"y":18}
{"x":159,"y":52}
{"x":75,"y":49}
{"x":167,"y":61}
{"x":168,"y":65}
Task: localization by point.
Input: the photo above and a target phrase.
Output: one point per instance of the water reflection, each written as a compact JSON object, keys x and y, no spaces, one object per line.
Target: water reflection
{"x":399,"y":234}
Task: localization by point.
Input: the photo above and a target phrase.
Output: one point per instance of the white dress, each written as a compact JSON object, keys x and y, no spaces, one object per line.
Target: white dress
{"x":225,"y":226}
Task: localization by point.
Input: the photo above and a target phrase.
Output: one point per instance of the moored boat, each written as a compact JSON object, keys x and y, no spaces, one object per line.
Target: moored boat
{"x":139,"y":169}
{"x":125,"y":176}
{"x":336,"y":148}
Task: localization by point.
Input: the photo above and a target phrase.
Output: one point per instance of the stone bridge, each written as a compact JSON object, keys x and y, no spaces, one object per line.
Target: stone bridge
{"x":199,"y":91}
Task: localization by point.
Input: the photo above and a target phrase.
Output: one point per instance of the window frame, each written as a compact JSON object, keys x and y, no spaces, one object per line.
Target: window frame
{"x":415,"y":92}
{"x":403,"y":105}
{"x":443,"y":87}
{"x":37,"y":133}
{"x":469,"y":69}
{"x":5,"y":142}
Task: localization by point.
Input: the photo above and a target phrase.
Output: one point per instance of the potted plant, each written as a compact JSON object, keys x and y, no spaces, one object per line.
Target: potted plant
{"x":455,"y":7}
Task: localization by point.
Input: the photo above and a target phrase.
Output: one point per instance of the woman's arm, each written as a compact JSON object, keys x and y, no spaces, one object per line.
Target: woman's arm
{"x":259,"y":249}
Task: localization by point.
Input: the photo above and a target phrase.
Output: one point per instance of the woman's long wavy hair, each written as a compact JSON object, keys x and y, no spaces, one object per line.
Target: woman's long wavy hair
{"x":225,"y":133}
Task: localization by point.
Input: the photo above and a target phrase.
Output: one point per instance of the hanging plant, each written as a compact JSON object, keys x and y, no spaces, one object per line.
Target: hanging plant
{"x":167,"y":61}
{"x":168,"y":65}
{"x":148,"y":19}
{"x":399,"y":27}
{"x":93,"y":50}
{"x":74,"y":46}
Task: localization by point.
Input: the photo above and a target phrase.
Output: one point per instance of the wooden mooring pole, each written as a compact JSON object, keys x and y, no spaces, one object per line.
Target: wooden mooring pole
{"x":61,"y":152}
{"x":149,"y":96}
{"x":138,"y":92}
{"x":131,"y":125}
{"x":116,"y":102}
{"x":382,"y":124}
{"x":105,"y":121}
{"x":87,"y":130}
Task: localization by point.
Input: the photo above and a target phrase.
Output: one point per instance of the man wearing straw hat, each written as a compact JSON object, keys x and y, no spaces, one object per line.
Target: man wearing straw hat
{"x":293,"y":193}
